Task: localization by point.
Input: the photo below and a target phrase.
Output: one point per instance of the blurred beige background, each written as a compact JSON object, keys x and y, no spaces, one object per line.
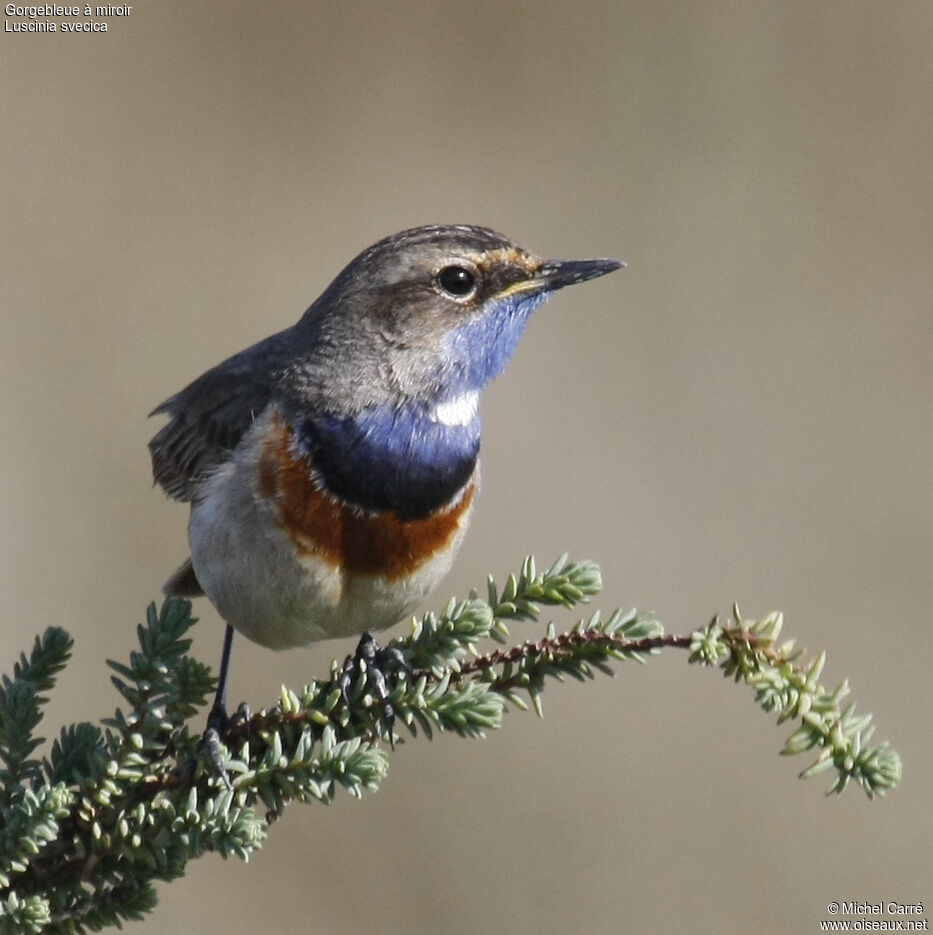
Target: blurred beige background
{"x":745,"y":412}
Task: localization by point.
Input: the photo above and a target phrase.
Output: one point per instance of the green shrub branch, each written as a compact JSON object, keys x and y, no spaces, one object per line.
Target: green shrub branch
{"x":86,"y":832}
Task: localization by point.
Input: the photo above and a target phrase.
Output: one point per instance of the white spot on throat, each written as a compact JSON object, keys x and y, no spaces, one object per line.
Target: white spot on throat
{"x":461,"y":410}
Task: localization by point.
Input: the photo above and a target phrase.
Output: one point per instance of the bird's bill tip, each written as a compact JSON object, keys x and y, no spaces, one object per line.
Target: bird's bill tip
{"x":555,"y":274}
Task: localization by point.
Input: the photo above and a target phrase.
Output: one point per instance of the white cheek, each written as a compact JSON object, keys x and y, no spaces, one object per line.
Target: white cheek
{"x":461,"y":410}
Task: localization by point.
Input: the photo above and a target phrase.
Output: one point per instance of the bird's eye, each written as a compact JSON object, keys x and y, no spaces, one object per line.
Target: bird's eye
{"x":457,"y":281}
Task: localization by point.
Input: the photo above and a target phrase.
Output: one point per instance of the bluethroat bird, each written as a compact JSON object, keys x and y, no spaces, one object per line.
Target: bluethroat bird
{"x":331,"y":468}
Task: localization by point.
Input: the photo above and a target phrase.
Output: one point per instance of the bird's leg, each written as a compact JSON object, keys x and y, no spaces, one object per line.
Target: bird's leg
{"x":218,"y":720}
{"x":380,"y":661}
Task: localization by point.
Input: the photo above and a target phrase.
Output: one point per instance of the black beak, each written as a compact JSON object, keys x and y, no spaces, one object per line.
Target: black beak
{"x":555,"y":274}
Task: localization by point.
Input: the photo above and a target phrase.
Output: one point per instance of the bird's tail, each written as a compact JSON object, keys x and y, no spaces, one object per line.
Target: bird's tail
{"x":183,"y":582}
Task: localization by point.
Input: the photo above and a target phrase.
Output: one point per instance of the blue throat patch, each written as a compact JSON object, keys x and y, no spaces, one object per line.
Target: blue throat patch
{"x":479,"y":350}
{"x":397,"y":457}
{"x":392,"y":458}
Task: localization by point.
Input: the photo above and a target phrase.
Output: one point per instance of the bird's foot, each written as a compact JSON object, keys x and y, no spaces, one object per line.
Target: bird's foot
{"x":381,"y":662}
{"x":218,"y":723}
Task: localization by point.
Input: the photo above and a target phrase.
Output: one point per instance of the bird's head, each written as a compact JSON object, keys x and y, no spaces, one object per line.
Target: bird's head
{"x":434,"y":313}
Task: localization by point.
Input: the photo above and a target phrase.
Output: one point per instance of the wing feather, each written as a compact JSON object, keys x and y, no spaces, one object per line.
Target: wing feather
{"x":209,"y":417}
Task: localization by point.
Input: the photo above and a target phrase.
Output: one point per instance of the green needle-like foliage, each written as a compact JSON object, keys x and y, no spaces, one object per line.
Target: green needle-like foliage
{"x":87,"y":832}
{"x":749,"y":651}
{"x":21,"y":700}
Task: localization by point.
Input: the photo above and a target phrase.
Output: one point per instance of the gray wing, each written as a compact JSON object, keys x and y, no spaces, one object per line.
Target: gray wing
{"x":208,"y":418}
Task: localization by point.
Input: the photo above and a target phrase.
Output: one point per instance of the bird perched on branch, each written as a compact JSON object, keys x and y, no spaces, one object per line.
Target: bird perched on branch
{"x":331,"y":468}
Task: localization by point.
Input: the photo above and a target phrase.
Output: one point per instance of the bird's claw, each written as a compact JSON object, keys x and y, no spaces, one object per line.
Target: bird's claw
{"x":218,"y":722}
{"x":380,"y":662}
